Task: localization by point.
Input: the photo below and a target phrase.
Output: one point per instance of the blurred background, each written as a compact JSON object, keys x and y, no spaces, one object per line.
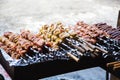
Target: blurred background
{"x":31,"y":14}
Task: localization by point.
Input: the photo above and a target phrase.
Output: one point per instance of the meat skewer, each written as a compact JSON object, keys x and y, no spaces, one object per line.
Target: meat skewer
{"x":89,"y":33}
{"x":23,"y":43}
{"x":55,"y":35}
{"x":62,"y":36}
{"x":19,"y":41}
{"x":93,"y":47}
{"x":32,"y":37}
{"x":6,"y":48}
{"x":113,"y":32}
{"x":26,"y":58}
{"x":36,"y":39}
{"x":16,"y":51}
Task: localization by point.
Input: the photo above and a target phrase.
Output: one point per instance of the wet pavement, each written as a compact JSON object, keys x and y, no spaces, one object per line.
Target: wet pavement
{"x":31,"y":14}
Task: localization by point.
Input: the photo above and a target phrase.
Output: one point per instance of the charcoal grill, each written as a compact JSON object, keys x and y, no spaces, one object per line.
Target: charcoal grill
{"x":46,"y":69}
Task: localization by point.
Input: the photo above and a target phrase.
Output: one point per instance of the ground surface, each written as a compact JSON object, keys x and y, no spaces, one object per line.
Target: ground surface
{"x":30,"y":14}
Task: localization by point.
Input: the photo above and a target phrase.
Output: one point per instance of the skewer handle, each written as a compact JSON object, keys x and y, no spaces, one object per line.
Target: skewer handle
{"x":73,"y":57}
{"x":101,"y":49}
{"x":90,"y":45}
{"x":117,"y":67}
{"x":79,"y":53}
{"x":75,"y":46}
{"x":89,"y":48}
{"x":93,"y":47}
{"x":112,"y":63}
{"x":118,"y":64}
{"x":79,"y":48}
{"x":82,"y":45}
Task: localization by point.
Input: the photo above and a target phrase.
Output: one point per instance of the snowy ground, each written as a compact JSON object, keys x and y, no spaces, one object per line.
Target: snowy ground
{"x":20,"y":14}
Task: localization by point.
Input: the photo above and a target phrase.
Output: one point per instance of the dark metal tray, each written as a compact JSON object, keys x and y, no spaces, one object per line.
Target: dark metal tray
{"x":48,"y":68}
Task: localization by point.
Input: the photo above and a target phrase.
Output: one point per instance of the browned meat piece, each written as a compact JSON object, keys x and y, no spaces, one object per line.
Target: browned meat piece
{"x":12,"y":37}
{"x":113,"y":32}
{"x":38,"y":41}
{"x":13,"y":53}
{"x":25,"y":44}
{"x":5,"y":41}
{"x":16,"y":38}
{"x":88,"y":32}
